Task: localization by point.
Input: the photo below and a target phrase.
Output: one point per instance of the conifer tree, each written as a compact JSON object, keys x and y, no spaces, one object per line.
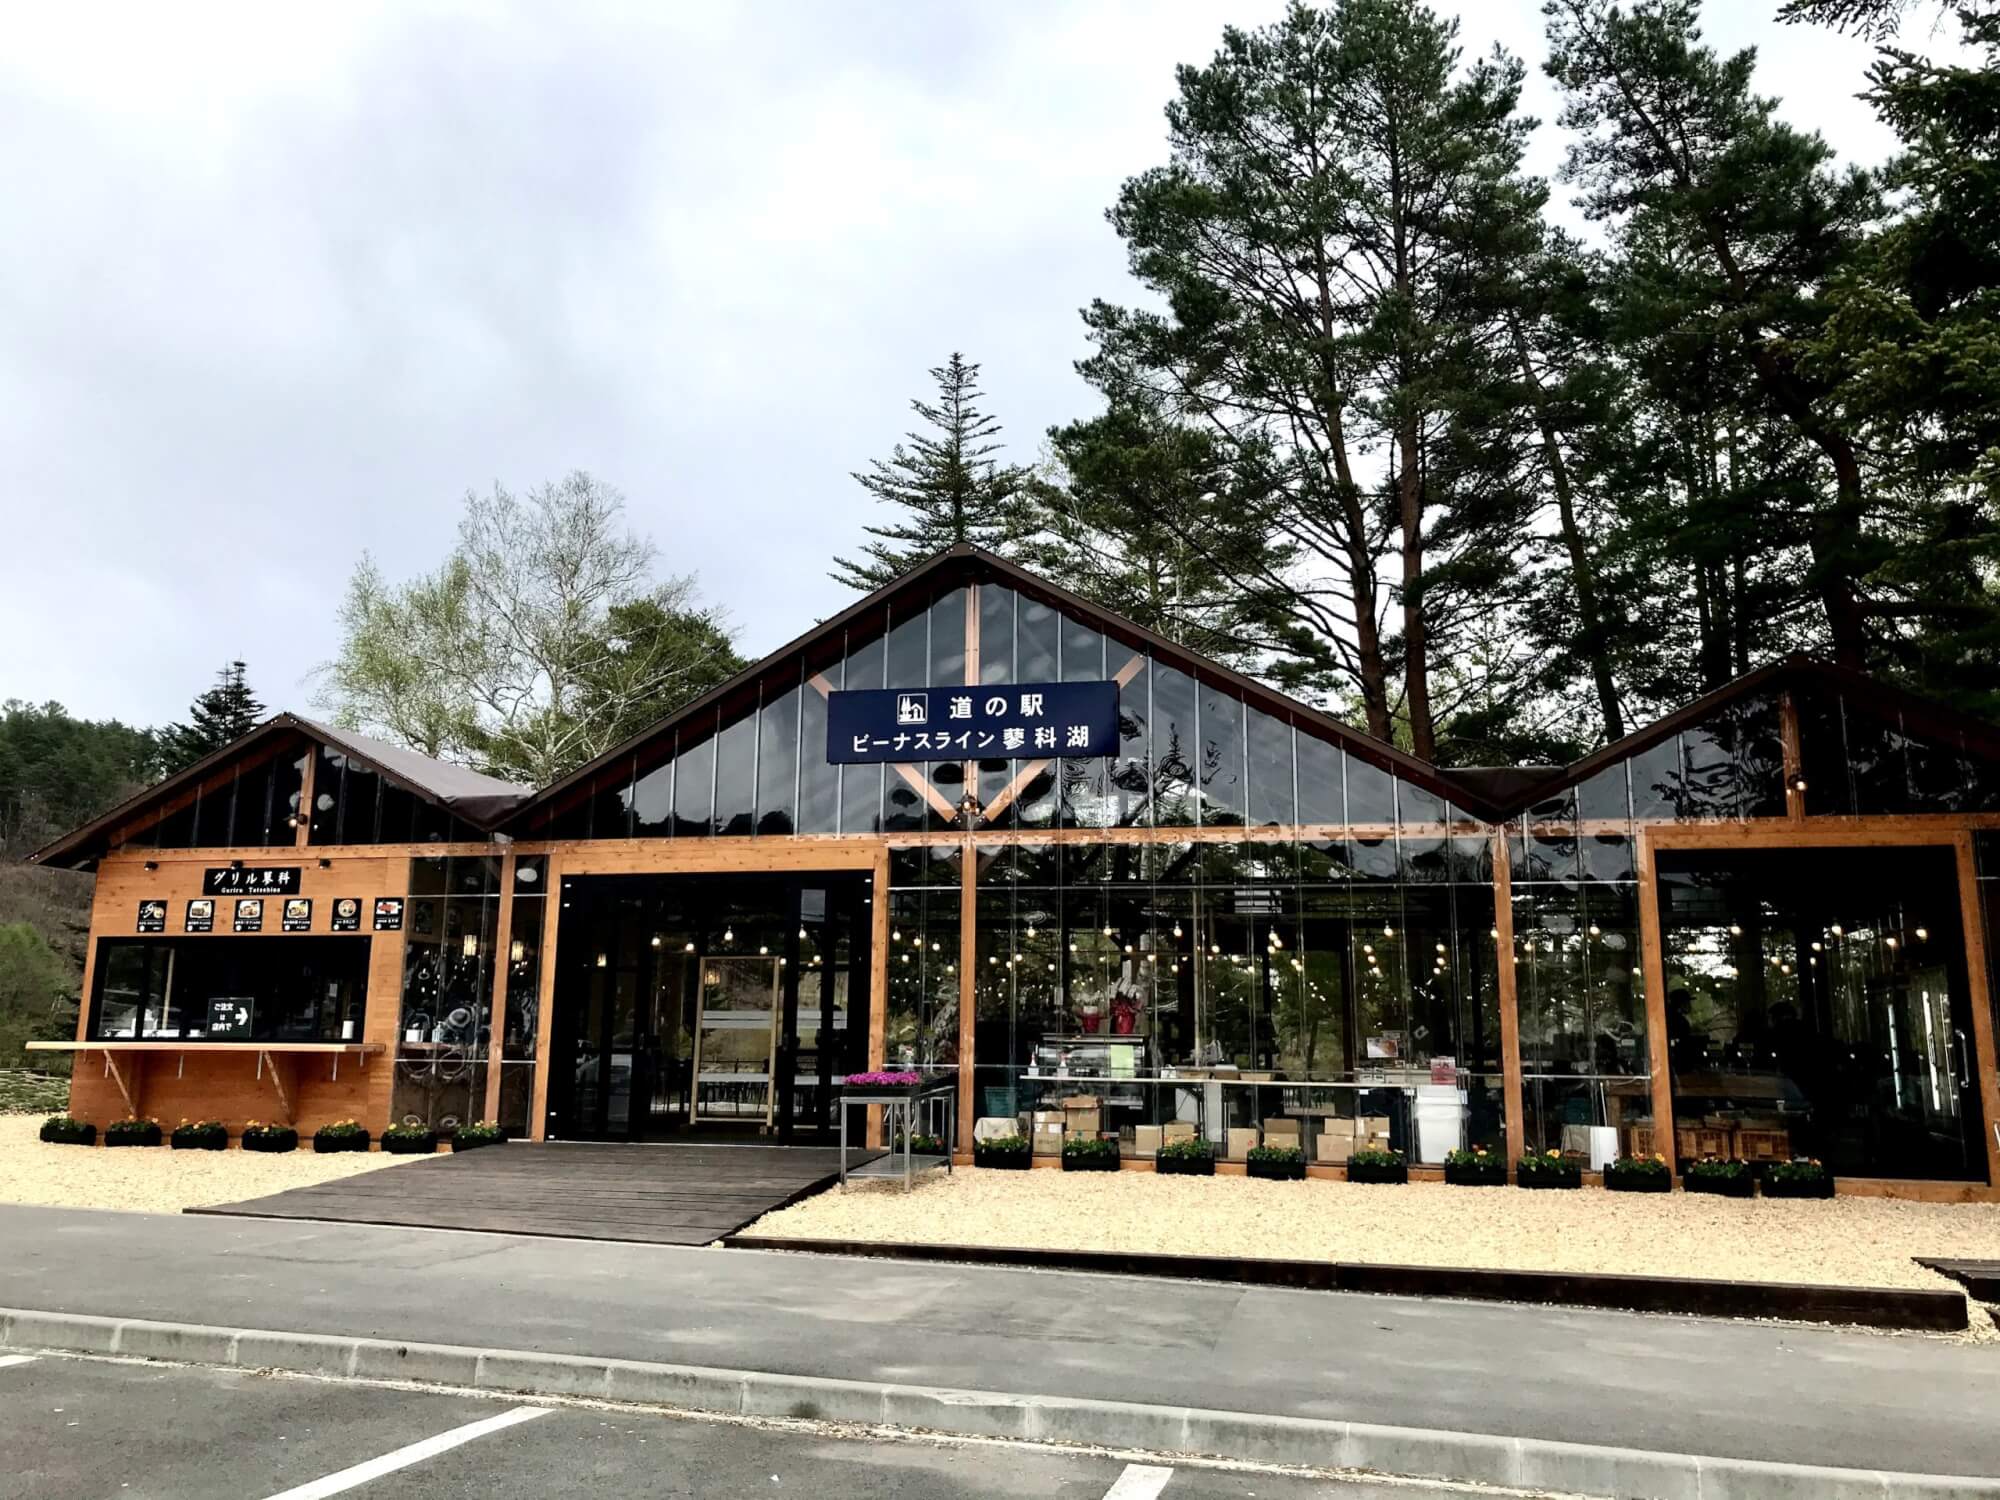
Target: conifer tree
{"x":947,"y":485}
{"x":223,"y":713}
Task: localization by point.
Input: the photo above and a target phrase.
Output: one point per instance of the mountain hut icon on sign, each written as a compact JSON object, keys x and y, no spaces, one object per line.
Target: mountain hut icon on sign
{"x":912,"y":708}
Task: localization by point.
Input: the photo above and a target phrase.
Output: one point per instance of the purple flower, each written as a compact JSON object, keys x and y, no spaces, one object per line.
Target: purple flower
{"x":883,"y":1080}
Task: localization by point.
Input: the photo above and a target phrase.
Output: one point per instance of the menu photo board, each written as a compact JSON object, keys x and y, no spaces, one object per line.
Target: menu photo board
{"x":250,"y":914}
{"x":297,"y":916}
{"x":388,"y":913}
{"x":346,"y":915}
{"x":200,"y":915}
{"x":152,"y":916}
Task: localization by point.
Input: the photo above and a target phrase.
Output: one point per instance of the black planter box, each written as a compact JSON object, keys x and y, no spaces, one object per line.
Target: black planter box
{"x":470,"y":1140}
{"x":1494,"y":1175}
{"x":81,"y":1134}
{"x":1278,"y":1171}
{"x":327,"y":1145}
{"x":188,"y":1139}
{"x":410,"y":1145}
{"x":280,"y":1141}
{"x":148,"y":1135}
{"x":1633,"y":1182}
{"x":1184,"y":1166}
{"x":1573,"y":1178}
{"x":1821,"y":1189}
{"x":1722,"y":1187}
{"x":1072,"y":1163}
{"x":1398,"y":1173}
{"x":1004,"y":1161}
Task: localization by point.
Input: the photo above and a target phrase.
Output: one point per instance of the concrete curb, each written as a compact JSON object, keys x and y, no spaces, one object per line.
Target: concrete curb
{"x":1524,"y":1463}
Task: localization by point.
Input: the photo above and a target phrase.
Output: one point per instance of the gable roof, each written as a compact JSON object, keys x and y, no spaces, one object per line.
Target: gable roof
{"x":1788,"y":673}
{"x":965,"y":563}
{"x":480,"y":800}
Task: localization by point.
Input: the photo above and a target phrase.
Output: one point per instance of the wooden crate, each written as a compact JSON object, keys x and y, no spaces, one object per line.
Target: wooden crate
{"x":1692,"y":1143}
{"x":1639,"y":1140}
{"x":1764,"y":1144}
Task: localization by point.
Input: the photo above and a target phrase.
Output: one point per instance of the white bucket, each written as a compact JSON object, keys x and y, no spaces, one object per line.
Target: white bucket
{"x":1440,"y":1117}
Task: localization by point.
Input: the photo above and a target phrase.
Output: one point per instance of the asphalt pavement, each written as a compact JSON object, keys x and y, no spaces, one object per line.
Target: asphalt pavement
{"x":1781,"y":1393}
{"x":80,"y":1429}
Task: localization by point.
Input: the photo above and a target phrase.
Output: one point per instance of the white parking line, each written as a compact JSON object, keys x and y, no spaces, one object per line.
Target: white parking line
{"x":1139,"y":1482}
{"x":15,"y":1359}
{"x":402,"y":1458}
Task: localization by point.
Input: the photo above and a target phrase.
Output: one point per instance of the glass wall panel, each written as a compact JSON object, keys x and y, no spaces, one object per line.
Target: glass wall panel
{"x":1222,"y":768}
{"x":653,"y":800}
{"x":264,"y":989}
{"x":1272,"y":796}
{"x":1322,"y":794}
{"x":736,"y":778}
{"x":1371,"y":794}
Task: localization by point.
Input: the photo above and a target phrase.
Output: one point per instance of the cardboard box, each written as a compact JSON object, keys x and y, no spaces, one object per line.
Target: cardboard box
{"x":1083,"y":1121}
{"x":1046,"y":1117}
{"x":1335,"y":1146}
{"x":1081,"y":1101}
{"x":1284,"y":1125}
{"x":1177,"y":1130}
{"x":1372,"y":1125}
{"x":1240,"y":1142}
{"x":1145,"y":1141}
{"x":1048,"y":1140}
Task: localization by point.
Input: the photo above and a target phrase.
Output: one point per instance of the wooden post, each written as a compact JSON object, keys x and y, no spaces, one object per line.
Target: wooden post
{"x":545,"y":1016}
{"x":1658,"y":1061}
{"x":302,"y":834}
{"x":968,"y":1003}
{"x":503,"y":939}
{"x":1513,"y":1095}
{"x":1979,"y":993}
{"x":878,"y":987}
{"x":1788,"y":729}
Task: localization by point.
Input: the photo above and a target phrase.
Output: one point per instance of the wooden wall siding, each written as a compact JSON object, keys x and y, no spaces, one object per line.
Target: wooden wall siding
{"x":236,"y":1088}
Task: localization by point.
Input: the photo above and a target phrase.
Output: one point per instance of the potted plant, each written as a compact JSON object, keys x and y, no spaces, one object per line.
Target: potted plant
{"x":132,"y":1132}
{"x":1639,"y":1174}
{"x":482,"y":1133}
{"x":1124,"y":1015}
{"x":1549,"y":1169}
{"x":261,"y":1137}
{"x":1719,"y":1175}
{"x":1090,"y":1015}
{"x":200,"y":1135}
{"x":66,"y":1130}
{"x":922,"y":1144}
{"x":409,"y":1140}
{"x":341,"y":1135}
{"x":894,"y":1082}
{"x":1276,"y":1163}
{"x":1087,"y":1153}
{"x":1377,"y":1166}
{"x":1004,"y":1153}
{"x":1190,"y":1156}
{"x":1801,"y":1177}
{"x":1475,"y":1167}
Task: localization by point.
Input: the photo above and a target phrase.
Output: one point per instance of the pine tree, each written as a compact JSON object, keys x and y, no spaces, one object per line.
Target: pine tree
{"x":223,"y":713}
{"x":947,"y":482}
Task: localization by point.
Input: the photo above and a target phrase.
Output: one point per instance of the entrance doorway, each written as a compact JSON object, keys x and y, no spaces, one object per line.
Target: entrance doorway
{"x":708,"y":1006}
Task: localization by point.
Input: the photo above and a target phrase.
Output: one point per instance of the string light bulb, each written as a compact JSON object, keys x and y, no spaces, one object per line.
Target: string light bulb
{"x":729,"y":934}
{"x":1177,"y":929}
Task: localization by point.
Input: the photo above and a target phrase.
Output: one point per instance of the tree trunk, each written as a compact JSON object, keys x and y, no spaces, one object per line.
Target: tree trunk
{"x":1416,"y":634}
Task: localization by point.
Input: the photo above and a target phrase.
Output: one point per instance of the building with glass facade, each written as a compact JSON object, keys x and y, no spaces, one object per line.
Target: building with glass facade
{"x":1757,"y":927}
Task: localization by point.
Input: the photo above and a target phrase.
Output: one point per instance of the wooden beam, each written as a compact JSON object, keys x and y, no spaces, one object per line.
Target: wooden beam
{"x":266,"y":1062}
{"x":302,"y":830}
{"x":918,"y":782}
{"x":545,"y":1014}
{"x":1979,"y":992}
{"x":1652,"y":959}
{"x":128,"y":1088}
{"x":968,"y":1005}
{"x":1513,"y":1094}
{"x":1806,"y":833}
{"x":878,"y":986}
{"x":1026,"y":775}
{"x":1788,"y":729}
{"x":503,"y":939}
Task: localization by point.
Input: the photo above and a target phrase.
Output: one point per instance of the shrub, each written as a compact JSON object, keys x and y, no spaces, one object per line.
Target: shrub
{"x":1087,"y":1153}
{"x":409,"y":1140}
{"x":1801,"y":1177}
{"x":1276,"y":1163}
{"x":260,"y":1137}
{"x":1639,"y":1174}
{"x":200,"y":1135}
{"x":66,"y":1130}
{"x":484,"y":1133}
{"x":1719,"y":1175}
{"x":1377,"y":1166}
{"x":1006,"y":1153}
{"x":1190,"y":1156}
{"x":1475,"y":1167}
{"x":341,"y":1135}
{"x":132,"y":1133}
{"x":923,"y":1145}
{"x":1550,"y":1169}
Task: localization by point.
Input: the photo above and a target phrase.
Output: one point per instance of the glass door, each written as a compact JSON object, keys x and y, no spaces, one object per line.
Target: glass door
{"x":736,"y":1040}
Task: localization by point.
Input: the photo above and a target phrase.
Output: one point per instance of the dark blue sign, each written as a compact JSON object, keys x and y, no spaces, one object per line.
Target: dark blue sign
{"x":1018,"y":721}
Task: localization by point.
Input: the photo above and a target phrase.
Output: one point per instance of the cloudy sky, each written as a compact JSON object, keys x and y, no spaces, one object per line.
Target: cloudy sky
{"x":279,"y":288}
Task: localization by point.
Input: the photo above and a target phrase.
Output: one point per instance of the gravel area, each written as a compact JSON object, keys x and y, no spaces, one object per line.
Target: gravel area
{"x":157,"y":1179}
{"x":1843,"y":1242}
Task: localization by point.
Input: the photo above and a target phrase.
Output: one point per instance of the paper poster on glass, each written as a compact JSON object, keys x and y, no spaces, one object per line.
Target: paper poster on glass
{"x":250,"y":914}
{"x":200,"y":915}
{"x":346,"y":915}
{"x":298,"y":915}
{"x":388,"y":913}
{"x":152,"y":916}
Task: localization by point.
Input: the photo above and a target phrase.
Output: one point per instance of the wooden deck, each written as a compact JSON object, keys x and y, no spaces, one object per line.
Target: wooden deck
{"x":657,"y":1194}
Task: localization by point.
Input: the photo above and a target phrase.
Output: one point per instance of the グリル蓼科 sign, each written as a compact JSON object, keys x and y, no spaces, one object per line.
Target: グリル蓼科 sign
{"x":1020,"y":721}
{"x":250,"y":880}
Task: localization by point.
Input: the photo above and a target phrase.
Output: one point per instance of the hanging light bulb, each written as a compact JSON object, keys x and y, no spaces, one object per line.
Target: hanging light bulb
{"x":1493,"y":932}
{"x":1837,"y":932}
{"x":1735,"y":930}
{"x":1214,"y":948}
{"x":657,"y":940}
{"x":517,"y":950}
{"x":1128,"y":947}
{"x":802,"y":934}
{"x":1176,"y":967}
{"x":1177,"y":929}
{"x":729,"y":934}
{"x":603,"y":959}
{"x":1923,"y":934}
{"x":1595,"y":931}
{"x":1890,"y":941}
{"x":1369,"y":949}
{"x":1031,"y":931}
{"x":1387,"y":930}
{"x":689,"y":948}
{"x":895,"y":934}
{"x":1072,"y":947}
{"x":765,"y":949}
{"x":905,"y":957}
{"x":1816,"y":947}
{"x":1440,"y":946}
